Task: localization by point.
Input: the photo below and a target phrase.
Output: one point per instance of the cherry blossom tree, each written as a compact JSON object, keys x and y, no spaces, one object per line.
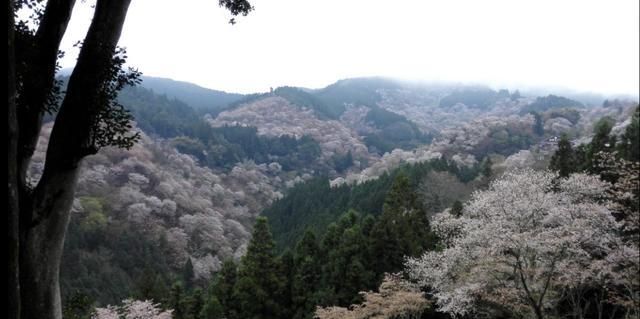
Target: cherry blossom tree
{"x":396,"y":299}
{"x":522,"y":246}
{"x":133,"y":309}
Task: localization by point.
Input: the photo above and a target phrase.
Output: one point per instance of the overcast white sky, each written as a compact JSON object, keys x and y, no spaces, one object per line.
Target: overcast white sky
{"x":586,"y":45}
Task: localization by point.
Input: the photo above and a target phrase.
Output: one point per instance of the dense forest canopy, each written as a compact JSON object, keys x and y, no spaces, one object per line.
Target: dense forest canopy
{"x":149,"y":198}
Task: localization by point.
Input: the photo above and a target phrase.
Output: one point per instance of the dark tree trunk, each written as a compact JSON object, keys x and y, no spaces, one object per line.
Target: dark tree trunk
{"x":12,"y":175}
{"x":38,"y":78}
{"x":45,"y":215}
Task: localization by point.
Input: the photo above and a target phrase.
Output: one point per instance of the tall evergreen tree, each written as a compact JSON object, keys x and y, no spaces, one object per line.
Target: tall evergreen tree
{"x":176,"y":301}
{"x":196,"y":304}
{"x":286,"y":273}
{"x":602,"y":141}
{"x":212,"y":309}
{"x":564,"y":159}
{"x":486,"y":167}
{"x":223,"y":287}
{"x":307,"y":276}
{"x":456,"y":208}
{"x":401,"y":230}
{"x":350,"y":276}
{"x":538,"y":126}
{"x":630,"y":141}
{"x":188,"y":274}
{"x":259,"y":282}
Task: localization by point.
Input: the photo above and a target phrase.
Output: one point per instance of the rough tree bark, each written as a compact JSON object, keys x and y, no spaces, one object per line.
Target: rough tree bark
{"x":12,"y":174}
{"x":44,"y":213}
{"x":38,"y":78}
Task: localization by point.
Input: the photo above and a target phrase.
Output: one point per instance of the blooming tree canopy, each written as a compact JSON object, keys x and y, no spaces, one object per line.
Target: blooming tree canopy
{"x":133,"y":309}
{"x":521,"y":245}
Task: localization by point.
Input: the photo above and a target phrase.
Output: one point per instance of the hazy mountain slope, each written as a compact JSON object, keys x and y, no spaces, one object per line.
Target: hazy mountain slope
{"x":276,"y":116}
{"x":179,"y":209}
{"x":191,"y":189}
{"x":194,"y":95}
{"x":316,"y":203}
{"x":220,"y":147}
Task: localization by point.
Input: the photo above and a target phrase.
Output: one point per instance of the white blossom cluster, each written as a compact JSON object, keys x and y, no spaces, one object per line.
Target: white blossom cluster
{"x":275,"y":116}
{"x":387,"y":163}
{"x":523,"y":244}
{"x":456,"y":143}
{"x":133,"y":309}
{"x":396,"y":298}
{"x":204,"y":215}
{"x":422,"y":107}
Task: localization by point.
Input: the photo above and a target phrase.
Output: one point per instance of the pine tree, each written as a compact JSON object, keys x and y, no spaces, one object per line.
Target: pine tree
{"x":259,"y":282}
{"x":538,"y":126}
{"x":351,"y":276}
{"x":176,"y":301}
{"x":307,"y":276}
{"x":212,"y":309}
{"x":223,"y":287}
{"x":601,"y":142}
{"x":196,"y":304}
{"x":486,"y":167}
{"x":630,"y":141}
{"x":564,"y":159}
{"x":456,"y":208}
{"x":286,"y":272}
{"x":401,"y":230}
{"x":188,"y":274}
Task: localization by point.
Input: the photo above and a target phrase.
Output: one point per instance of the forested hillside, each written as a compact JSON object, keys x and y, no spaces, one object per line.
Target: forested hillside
{"x":314,"y":204}
{"x":202,"y":99}
{"x":333,"y":171}
{"x":490,"y":171}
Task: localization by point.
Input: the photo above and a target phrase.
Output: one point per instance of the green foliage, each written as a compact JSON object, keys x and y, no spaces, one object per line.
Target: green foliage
{"x":157,"y":114}
{"x":602,"y":141}
{"x":572,"y":115}
{"x":245,"y":100}
{"x":456,"y":208}
{"x":330,"y":271}
{"x":223,"y":286}
{"x":395,"y":131}
{"x":506,"y":141}
{"x":545,"y":103}
{"x":187,"y":274}
{"x":212,"y":309}
{"x":111,"y":262}
{"x":177,"y":300}
{"x":151,"y":286}
{"x":301,"y":98}
{"x":112,"y":122}
{"x":220,"y":147}
{"x":306,"y":276}
{"x":78,"y":306}
{"x":564,"y":159}
{"x":195,"y":304}
{"x":485,"y":167}
{"x":362,"y":91}
{"x":476,"y":97}
{"x":344,"y":271}
{"x":585,"y":157}
{"x":199,"y":98}
{"x":401,"y":230}
{"x":314,"y":204}
{"x":259,"y":283}
{"x":538,"y":125}
{"x":342,"y":162}
{"x":94,"y":220}
{"x":629,"y":146}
